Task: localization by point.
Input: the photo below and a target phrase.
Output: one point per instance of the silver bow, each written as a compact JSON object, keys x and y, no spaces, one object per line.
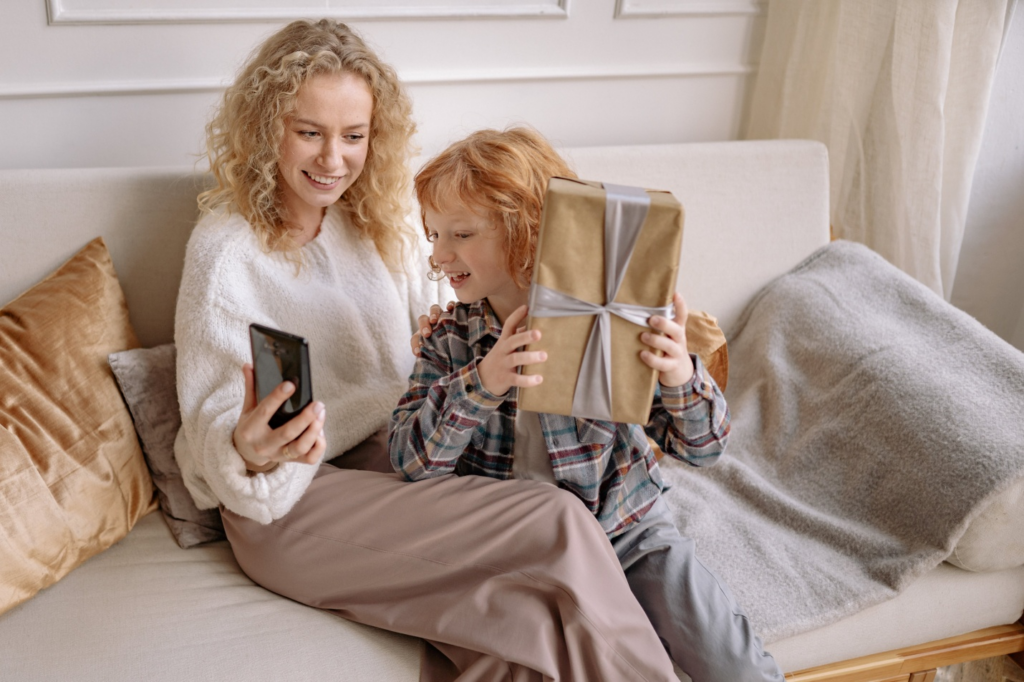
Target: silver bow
{"x":625,"y":211}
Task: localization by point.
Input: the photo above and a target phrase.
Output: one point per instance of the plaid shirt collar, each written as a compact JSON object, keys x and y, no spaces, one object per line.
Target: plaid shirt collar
{"x":482,"y":322}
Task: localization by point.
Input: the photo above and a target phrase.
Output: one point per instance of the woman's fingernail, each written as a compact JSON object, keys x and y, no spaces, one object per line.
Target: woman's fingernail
{"x":320,"y":410}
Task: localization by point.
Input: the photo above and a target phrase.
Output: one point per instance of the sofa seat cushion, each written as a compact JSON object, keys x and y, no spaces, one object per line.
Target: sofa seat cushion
{"x":148,"y":610}
{"x":945,"y":602}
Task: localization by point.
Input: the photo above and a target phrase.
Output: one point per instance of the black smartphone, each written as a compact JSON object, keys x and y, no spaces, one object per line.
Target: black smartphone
{"x":279,"y":356}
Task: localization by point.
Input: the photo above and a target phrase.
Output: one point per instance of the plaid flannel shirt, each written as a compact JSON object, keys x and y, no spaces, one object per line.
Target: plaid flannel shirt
{"x":447,"y":422}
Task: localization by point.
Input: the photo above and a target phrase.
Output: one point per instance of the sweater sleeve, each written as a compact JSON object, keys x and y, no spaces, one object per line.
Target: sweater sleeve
{"x":216,"y":302}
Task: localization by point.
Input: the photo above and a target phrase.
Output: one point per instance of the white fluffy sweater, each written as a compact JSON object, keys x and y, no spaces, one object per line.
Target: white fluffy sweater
{"x":356,"y":315}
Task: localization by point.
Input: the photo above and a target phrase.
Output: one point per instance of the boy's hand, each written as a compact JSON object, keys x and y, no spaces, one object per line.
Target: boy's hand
{"x":675,"y":365}
{"x":498,"y":369}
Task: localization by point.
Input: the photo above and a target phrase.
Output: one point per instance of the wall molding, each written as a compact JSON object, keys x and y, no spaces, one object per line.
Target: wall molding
{"x":107,"y":88}
{"x":167,"y":11}
{"x":410,"y":78}
{"x":640,"y":9}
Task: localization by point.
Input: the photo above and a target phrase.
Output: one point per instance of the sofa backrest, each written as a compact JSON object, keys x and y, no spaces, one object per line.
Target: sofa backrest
{"x":753,"y":210}
{"x":144,"y":215}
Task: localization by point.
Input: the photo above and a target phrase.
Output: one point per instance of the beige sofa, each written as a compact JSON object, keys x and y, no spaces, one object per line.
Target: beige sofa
{"x":145,"y":609}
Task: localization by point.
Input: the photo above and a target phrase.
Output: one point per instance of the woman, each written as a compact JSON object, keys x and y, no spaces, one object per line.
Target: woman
{"x":304,"y":231}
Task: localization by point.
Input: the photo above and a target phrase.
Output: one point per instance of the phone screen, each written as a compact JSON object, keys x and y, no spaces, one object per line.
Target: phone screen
{"x":278,"y":356}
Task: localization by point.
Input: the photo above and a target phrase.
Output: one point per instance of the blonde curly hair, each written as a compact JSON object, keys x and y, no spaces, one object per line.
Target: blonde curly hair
{"x":243,"y":139}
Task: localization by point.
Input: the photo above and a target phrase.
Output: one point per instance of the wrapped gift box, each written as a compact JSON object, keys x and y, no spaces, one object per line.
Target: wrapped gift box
{"x":588,"y":233}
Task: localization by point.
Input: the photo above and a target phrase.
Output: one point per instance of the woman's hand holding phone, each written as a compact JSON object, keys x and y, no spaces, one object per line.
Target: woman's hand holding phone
{"x":301,"y":439}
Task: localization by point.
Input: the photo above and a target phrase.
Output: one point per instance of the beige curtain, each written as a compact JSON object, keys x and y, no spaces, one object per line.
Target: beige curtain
{"x":898,"y":91}
{"x":990,"y":278}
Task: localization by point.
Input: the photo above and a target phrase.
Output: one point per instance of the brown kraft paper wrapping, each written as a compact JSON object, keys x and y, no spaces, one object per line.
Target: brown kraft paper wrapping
{"x":570,"y":259}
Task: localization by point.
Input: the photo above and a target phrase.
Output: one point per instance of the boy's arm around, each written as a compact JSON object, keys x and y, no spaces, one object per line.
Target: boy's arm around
{"x":446,"y":401}
{"x":689,"y":418}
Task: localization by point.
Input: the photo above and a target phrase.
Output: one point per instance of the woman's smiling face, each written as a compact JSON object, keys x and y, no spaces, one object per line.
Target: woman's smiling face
{"x":324,"y":146}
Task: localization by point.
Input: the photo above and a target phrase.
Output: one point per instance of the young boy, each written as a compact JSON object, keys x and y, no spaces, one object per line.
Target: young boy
{"x":481,"y":203}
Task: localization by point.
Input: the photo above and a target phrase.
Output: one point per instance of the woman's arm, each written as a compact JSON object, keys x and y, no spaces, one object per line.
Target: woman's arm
{"x":218,"y":299}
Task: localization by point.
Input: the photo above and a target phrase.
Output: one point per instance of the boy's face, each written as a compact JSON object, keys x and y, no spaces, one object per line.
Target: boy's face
{"x":470,"y":250}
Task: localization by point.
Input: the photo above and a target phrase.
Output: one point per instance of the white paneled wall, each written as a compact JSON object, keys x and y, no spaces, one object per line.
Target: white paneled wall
{"x":132,"y":82}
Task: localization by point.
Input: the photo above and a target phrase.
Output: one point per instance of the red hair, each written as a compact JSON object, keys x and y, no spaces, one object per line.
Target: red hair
{"x":501,"y":174}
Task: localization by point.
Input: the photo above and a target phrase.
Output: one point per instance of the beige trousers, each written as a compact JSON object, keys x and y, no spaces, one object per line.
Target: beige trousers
{"x":508,"y":580}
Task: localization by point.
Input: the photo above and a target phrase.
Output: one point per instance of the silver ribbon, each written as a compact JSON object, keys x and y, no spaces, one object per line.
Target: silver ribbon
{"x":625,"y":211}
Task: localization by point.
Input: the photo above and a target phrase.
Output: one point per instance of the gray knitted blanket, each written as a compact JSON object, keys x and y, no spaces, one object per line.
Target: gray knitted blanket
{"x":872,"y":421}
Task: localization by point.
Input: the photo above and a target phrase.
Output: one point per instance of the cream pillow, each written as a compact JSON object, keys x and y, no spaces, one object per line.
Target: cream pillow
{"x":72,"y":477}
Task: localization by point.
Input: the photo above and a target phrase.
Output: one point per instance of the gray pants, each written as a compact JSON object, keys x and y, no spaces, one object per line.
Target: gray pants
{"x":703,"y":628}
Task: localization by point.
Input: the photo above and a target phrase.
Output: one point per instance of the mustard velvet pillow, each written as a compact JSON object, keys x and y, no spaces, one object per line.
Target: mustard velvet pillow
{"x":72,"y":477}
